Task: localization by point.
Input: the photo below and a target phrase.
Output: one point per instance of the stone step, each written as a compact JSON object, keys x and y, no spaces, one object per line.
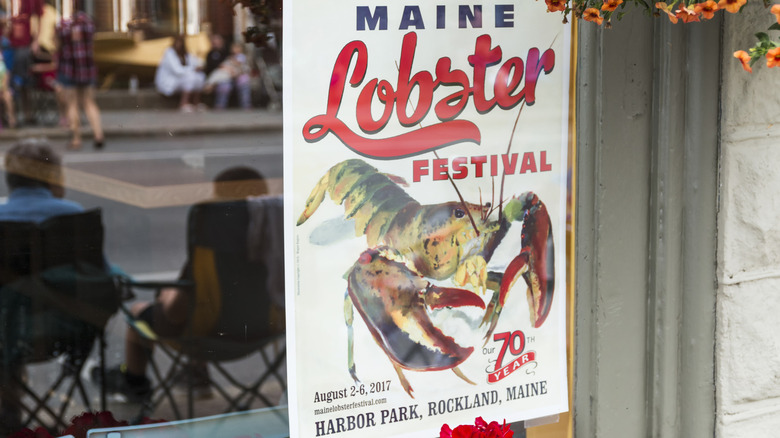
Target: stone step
{"x":148,"y":98}
{"x":111,"y":100}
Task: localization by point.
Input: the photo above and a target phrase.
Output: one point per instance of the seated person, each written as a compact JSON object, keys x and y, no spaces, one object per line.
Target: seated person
{"x":216,"y":54}
{"x":34,"y":177}
{"x":33,"y":173}
{"x":180,"y":72}
{"x":169,"y":313}
{"x":233,"y":71}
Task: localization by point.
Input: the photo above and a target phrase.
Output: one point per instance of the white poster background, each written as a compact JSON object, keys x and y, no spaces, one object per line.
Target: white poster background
{"x":325,"y":247}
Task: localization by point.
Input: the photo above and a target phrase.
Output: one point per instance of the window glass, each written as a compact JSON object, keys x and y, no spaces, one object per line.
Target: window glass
{"x":141,"y":151}
{"x":141,"y":252}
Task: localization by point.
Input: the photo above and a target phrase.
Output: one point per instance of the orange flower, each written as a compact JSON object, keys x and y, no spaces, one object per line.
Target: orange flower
{"x":732,"y":6}
{"x":773,"y":57}
{"x":555,"y":5}
{"x":668,"y":9}
{"x":776,"y":10}
{"x":593,"y":14}
{"x":610,"y":5}
{"x":686,"y":15}
{"x":706,"y":9}
{"x":744,"y":58}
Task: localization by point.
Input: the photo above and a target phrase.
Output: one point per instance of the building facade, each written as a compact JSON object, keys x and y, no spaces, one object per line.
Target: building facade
{"x":676,"y":231}
{"x":155,"y":17}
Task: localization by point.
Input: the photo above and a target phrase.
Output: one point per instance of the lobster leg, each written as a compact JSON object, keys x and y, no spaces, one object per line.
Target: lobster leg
{"x":349,"y":317}
{"x":460,"y":374}
{"x":535,"y":263}
{"x":404,"y":383}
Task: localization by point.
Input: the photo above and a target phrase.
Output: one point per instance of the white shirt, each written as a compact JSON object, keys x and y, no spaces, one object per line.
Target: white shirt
{"x":171,"y":73}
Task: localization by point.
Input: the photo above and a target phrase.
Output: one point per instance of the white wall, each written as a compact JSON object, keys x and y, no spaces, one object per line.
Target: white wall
{"x":748,"y":311}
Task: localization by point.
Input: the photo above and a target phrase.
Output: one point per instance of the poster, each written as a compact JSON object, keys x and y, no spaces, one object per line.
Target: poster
{"x":425,"y":170}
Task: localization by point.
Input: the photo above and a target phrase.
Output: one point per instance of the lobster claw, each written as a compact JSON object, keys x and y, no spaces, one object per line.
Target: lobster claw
{"x":535,"y":263}
{"x":393,"y":302}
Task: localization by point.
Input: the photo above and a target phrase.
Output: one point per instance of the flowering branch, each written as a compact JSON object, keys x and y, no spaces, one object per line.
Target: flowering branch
{"x":598,"y":11}
{"x":686,"y":11}
{"x":765,"y":47}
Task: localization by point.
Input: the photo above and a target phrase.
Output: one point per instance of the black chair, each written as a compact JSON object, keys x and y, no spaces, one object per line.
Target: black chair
{"x":56,"y":295}
{"x":234,"y":315}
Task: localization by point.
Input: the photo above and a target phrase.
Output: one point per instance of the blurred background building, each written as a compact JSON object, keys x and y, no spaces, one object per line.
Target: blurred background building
{"x":132,"y":34}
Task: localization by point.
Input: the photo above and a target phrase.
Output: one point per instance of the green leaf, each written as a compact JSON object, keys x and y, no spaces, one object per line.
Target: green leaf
{"x":763,"y":37}
{"x":774,"y":26}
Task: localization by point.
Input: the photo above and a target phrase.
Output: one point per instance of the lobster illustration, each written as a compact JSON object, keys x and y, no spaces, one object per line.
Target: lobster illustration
{"x":412,"y":245}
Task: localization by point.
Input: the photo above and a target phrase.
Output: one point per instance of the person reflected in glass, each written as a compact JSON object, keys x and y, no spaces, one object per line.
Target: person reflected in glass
{"x":169,"y":313}
{"x":33,"y":173}
{"x":181,"y":72}
{"x":233,"y":72}
{"x":44,"y":60}
{"x":216,"y":54}
{"x":77,"y":73}
{"x":23,"y":37}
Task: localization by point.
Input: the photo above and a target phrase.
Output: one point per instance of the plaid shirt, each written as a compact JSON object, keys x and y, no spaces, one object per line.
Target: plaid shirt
{"x":76,"y":64}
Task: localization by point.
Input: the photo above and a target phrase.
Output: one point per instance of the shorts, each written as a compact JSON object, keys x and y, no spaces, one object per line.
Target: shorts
{"x":70,"y":83}
{"x":20,"y":69}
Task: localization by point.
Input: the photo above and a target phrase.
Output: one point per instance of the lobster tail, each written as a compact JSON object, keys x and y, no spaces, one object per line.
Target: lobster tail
{"x":372,"y":198}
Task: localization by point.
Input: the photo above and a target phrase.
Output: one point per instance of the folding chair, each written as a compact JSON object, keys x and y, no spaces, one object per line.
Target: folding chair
{"x":233,"y":316}
{"x":56,"y":295}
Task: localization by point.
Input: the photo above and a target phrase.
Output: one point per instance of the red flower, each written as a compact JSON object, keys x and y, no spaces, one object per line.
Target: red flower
{"x":555,"y":5}
{"x":686,"y":15}
{"x":744,"y":58}
{"x":706,"y":9}
{"x":776,"y":10}
{"x":593,"y":14}
{"x":481,"y":429}
{"x":610,"y":5}
{"x":773,"y":57}
{"x":668,"y":9}
{"x":88,"y":420}
{"x":732,"y":6}
{"x":80,"y":424}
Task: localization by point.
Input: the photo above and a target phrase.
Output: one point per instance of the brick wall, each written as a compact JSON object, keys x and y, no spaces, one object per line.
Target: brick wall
{"x":748,"y":314}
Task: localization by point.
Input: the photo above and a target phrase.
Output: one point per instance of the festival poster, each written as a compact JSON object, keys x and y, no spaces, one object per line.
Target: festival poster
{"x":425,"y":169}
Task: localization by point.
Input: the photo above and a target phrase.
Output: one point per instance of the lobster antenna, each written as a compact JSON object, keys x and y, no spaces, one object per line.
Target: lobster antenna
{"x":508,"y":148}
{"x":481,"y":213}
{"x":493,"y":196}
{"x":462,"y":201}
{"x":436,"y":154}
